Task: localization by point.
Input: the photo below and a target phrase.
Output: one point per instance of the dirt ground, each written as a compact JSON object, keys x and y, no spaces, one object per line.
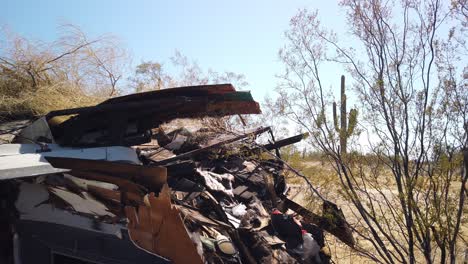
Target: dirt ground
{"x":326,"y":181}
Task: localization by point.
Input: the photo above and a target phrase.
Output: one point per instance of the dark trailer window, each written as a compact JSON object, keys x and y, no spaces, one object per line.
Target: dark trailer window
{"x":41,"y":242}
{"x":58,"y":258}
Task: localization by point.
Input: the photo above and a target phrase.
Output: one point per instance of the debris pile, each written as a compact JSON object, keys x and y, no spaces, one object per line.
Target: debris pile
{"x":205,"y":196}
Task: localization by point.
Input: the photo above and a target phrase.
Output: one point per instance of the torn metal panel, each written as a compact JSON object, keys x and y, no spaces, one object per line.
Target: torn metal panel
{"x":151,"y":176}
{"x":176,"y":143}
{"x":32,"y":205}
{"x":242,"y":192}
{"x":87,"y":184}
{"x":124,"y":184}
{"x":84,"y":204}
{"x":184,"y":185}
{"x":17,"y":149}
{"x":235,"y":222}
{"x":217,"y":182}
{"x":8,"y":130}
{"x":237,"y":102}
{"x":196,"y":90}
{"x":128,"y":120}
{"x":212,"y":146}
{"x":35,"y":164}
{"x":106,"y":194}
{"x":37,"y":131}
{"x":130,"y":193}
{"x":286,"y":141}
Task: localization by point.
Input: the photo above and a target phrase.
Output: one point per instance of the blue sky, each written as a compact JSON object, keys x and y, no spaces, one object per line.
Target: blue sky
{"x":240,"y":36}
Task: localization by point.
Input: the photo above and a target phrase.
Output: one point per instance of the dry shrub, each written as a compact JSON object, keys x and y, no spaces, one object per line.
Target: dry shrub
{"x":29,"y":104}
{"x":74,"y":71}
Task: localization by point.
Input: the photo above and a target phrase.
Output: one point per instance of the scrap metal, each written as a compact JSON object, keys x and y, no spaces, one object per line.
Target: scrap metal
{"x":208,"y":196}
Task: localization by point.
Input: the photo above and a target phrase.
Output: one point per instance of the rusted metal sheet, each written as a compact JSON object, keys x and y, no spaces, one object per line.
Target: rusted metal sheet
{"x":83,"y":203}
{"x":151,"y":176}
{"x":196,"y":90}
{"x":224,"y":195}
{"x":212,"y":146}
{"x":285,"y":142}
{"x":127,"y":120}
{"x":124,"y":185}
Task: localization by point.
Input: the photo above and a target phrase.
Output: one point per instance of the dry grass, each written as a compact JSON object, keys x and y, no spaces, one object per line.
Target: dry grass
{"x":325,"y":179}
{"x":27,"y":103}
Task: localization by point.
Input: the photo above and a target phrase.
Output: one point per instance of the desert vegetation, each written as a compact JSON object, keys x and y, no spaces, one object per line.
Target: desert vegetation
{"x":397,"y":156}
{"x":76,"y":70}
{"x":37,"y":77}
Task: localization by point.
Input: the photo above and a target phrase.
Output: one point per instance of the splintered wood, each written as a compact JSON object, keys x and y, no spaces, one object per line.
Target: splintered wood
{"x":157,"y":227}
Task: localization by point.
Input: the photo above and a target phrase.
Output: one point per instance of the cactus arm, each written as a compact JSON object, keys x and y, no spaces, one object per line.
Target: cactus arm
{"x":335,"y":118}
{"x":343,"y":105}
{"x":352,"y":121}
{"x":343,"y":129}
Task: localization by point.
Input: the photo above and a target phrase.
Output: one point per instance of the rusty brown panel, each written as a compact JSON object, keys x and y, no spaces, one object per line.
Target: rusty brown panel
{"x":131,"y":193}
{"x":152,"y":177}
{"x":122,"y":170}
{"x":147,"y":113}
{"x":105,"y":194}
{"x":233,"y":108}
{"x":132,"y":217}
{"x":130,"y":198}
{"x":155,"y":177}
{"x":196,"y":108}
{"x":197,"y":90}
{"x":144,"y":218}
{"x":165,"y":234}
{"x":162,"y":109}
{"x":139,"y":236}
{"x":124,"y":185}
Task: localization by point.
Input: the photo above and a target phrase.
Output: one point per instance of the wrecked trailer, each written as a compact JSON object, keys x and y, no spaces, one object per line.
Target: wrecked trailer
{"x":112,"y":184}
{"x":43,"y":222}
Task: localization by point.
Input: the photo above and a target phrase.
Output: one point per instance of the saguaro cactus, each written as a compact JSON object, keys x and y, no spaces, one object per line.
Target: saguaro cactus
{"x":346,"y":127}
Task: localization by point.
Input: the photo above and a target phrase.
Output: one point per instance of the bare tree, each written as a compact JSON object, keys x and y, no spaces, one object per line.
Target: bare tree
{"x":72,"y":65}
{"x":407,"y":195}
{"x":190,"y":73}
{"x":98,"y":62}
{"x":152,"y":75}
{"x":149,"y":75}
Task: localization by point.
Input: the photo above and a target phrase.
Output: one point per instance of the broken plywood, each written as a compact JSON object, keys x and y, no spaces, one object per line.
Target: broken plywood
{"x":158,"y":228}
